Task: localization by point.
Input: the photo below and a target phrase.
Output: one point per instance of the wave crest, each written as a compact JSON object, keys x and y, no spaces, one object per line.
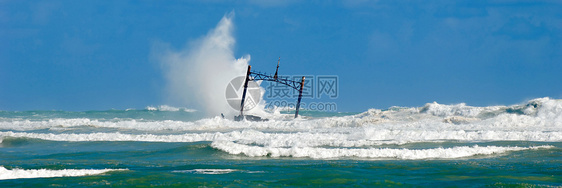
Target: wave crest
{"x":381,"y":153}
{"x":17,"y":173}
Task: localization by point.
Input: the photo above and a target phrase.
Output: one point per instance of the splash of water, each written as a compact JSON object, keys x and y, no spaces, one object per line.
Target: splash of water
{"x":198,"y":74}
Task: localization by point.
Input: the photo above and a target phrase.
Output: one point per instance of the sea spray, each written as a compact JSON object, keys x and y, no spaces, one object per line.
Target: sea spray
{"x":198,"y":74}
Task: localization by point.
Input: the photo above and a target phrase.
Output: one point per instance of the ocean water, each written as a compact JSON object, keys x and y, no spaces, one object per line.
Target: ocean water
{"x":434,"y":145}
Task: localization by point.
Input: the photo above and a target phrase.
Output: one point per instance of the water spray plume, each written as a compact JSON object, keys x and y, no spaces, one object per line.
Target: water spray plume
{"x":198,"y":74}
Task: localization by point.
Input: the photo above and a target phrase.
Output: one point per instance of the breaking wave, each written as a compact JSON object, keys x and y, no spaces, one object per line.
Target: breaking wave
{"x":326,"y":153}
{"x":359,"y":138}
{"x":362,"y":134}
{"x":17,"y":173}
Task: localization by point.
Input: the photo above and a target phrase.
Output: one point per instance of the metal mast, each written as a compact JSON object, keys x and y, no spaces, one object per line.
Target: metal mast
{"x":250,"y":76}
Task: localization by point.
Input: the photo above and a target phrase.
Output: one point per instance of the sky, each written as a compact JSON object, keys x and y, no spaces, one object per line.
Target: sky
{"x":99,"y":55}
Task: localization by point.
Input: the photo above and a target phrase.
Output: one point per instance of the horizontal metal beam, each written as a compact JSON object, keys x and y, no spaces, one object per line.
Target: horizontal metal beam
{"x":260,"y":76}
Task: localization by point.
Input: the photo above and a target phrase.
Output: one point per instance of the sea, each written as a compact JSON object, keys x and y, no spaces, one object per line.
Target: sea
{"x":434,"y":145}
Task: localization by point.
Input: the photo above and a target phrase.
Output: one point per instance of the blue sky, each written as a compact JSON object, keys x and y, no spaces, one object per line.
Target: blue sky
{"x":96,"y":55}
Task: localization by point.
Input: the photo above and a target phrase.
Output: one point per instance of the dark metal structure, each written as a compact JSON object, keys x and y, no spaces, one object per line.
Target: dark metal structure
{"x":250,"y":76}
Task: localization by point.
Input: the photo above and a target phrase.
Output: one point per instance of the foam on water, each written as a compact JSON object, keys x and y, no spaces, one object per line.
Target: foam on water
{"x":359,"y":138}
{"x":166,"y":108}
{"x":207,"y":171}
{"x":17,"y":173}
{"x":542,"y":114}
{"x":325,"y":153}
{"x":216,"y":171}
{"x":538,"y":120}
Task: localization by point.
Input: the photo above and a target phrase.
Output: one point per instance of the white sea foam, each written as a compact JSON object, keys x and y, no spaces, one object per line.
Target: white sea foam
{"x":216,"y":171}
{"x":166,"y":108}
{"x":45,"y":173}
{"x":115,"y":137}
{"x":207,"y":171}
{"x":542,"y":114}
{"x":326,"y":153}
{"x":538,"y":120}
{"x":359,"y":138}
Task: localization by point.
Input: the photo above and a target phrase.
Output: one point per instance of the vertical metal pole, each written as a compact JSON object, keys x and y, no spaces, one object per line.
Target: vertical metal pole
{"x":299,"y":100}
{"x":244,"y":93}
{"x":277,"y":69}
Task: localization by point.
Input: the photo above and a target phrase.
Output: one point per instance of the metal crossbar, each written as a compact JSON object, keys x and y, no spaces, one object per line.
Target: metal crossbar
{"x":260,"y":76}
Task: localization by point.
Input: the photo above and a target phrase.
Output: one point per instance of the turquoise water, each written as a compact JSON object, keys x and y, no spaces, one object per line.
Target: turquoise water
{"x":434,"y":145}
{"x":154,"y":164}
